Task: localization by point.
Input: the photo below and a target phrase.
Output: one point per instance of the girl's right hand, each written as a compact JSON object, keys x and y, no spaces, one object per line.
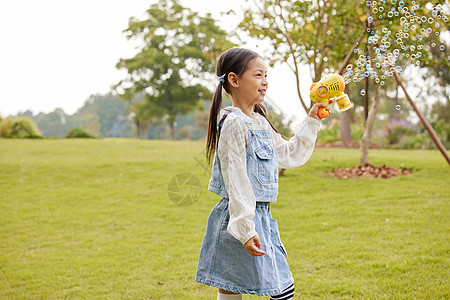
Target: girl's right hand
{"x":252,"y":246}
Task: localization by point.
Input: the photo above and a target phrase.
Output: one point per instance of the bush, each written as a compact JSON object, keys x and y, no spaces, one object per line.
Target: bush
{"x":78,"y":133}
{"x":6,"y":127}
{"x":442,"y":129}
{"x":24,"y":127}
{"x":329,"y":134}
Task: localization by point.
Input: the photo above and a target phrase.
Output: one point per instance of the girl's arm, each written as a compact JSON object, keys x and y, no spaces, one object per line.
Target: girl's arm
{"x":299,"y":148}
{"x":232,"y":155}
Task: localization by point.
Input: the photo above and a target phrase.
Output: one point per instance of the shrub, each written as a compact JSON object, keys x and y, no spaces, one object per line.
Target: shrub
{"x":79,"y":133}
{"x":330,"y":133}
{"x":24,"y":127}
{"x":6,"y":127}
{"x":396,"y":132}
{"x":442,"y":129}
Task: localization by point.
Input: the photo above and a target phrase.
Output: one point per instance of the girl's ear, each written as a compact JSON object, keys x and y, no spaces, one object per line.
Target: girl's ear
{"x":233,"y":79}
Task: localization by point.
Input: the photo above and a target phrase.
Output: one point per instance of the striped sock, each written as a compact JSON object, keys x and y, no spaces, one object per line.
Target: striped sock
{"x":287,"y":294}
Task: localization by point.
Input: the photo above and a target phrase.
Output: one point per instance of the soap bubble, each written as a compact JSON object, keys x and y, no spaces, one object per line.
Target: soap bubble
{"x":442,"y":47}
{"x":398,"y":107}
{"x":362,"y":92}
{"x":370,"y":20}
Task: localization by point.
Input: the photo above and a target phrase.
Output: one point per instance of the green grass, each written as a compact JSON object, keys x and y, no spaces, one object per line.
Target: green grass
{"x":91,"y":219}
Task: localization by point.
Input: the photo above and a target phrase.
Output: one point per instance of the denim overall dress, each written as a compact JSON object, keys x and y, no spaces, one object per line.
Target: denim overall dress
{"x":224,"y":262}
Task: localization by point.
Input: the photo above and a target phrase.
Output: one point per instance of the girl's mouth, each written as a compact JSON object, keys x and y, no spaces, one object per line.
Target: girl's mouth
{"x":262,"y":91}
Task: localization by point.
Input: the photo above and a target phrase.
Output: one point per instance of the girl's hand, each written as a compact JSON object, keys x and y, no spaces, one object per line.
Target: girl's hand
{"x":313,"y":112}
{"x":252,"y":246}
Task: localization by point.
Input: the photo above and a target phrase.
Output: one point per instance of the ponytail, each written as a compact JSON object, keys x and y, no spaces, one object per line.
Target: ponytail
{"x":211,"y":141}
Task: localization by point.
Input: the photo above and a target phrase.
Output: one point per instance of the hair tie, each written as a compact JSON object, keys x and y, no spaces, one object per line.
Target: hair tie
{"x":221,"y":78}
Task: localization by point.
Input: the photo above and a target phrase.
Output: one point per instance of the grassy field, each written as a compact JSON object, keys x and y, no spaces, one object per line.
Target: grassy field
{"x":91,"y":219}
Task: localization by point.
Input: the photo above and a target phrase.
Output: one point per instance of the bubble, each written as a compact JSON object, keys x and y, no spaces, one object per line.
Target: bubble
{"x":433,"y":44}
{"x":442,"y":47}
{"x":381,"y":9}
{"x":375,"y":10}
{"x":369,"y":3}
{"x":382,"y":82}
{"x":362,"y":92}
{"x":390,"y":14}
{"x":412,"y":48}
{"x":436,"y":25}
{"x":370,"y":20}
{"x":398,"y":107}
{"x":398,"y":69}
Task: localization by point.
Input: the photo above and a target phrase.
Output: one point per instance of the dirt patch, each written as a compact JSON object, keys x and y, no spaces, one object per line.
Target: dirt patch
{"x":368,"y":171}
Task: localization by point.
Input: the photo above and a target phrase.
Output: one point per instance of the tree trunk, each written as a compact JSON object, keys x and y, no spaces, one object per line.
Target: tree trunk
{"x":365,"y":141}
{"x":346,"y":132}
{"x":172,"y":130}
{"x":138,"y":128}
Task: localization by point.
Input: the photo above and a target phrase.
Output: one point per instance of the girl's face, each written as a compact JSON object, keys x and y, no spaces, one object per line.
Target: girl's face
{"x":253,"y":83}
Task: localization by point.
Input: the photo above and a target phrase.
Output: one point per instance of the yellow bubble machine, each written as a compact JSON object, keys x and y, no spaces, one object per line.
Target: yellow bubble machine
{"x":329,"y":89}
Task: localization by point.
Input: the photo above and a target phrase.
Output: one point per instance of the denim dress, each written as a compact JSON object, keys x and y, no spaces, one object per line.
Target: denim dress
{"x":224,"y":262}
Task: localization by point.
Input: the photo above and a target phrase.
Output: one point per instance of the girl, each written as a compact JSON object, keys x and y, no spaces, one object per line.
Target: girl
{"x":241,"y":251}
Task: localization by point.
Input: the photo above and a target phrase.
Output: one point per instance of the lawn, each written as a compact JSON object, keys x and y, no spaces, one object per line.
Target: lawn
{"x":91,"y":219}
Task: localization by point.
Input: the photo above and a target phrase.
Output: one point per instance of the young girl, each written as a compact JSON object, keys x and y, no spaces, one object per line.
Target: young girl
{"x":241,"y":251}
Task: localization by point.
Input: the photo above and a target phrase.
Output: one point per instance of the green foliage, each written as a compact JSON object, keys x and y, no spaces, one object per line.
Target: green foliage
{"x":104,"y":115}
{"x":178,"y":55}
{"x":442,"y":129}
{"x":88,"y":226}
{"x":305,"y":32}
{"x":20,"y":127}
{"x":6,"y":127}
{"x":106,"y":107}
{"x":329,"y":133}
{"x":280,"y":122}
{"x":79,"y":133}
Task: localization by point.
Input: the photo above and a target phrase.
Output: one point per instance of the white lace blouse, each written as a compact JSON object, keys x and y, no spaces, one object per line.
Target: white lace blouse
{"x":232,"y":155}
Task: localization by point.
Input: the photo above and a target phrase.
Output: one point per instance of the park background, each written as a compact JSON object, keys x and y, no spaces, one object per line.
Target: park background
{"x":97,"y":218}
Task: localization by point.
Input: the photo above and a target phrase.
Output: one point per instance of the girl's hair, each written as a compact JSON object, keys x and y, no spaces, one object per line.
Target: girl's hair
{"x":234,"y":60}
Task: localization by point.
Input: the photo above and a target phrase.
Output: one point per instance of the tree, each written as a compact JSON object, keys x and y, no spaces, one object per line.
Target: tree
{"x":175,"y":62}
{"x":308,"y":32}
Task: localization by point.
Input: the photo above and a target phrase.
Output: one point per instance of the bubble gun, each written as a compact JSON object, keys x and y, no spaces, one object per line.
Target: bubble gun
{"x":329,"y":89}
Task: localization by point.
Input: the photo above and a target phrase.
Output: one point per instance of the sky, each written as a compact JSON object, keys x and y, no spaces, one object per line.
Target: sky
{"x":55,"y":54}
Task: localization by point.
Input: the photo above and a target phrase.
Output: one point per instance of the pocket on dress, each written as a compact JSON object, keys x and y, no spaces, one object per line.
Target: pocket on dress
{"x":267,"y":167}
